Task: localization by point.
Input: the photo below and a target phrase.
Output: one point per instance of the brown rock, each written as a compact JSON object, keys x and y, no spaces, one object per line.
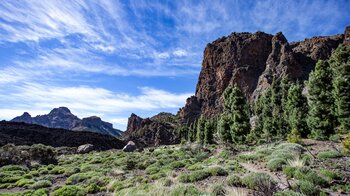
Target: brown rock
{"x":252,"y":61}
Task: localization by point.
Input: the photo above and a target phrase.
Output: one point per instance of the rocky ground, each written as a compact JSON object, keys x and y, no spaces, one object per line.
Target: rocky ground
{"x":278,"y":168}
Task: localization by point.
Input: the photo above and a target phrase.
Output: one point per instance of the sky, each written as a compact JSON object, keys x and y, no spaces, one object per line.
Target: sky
{"x":112,"y":58}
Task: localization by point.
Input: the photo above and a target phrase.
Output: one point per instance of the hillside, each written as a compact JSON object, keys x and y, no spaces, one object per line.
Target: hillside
{"x":28,"y":134}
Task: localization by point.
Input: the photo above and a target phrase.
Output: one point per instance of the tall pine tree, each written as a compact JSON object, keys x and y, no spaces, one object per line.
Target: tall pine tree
{"x":297,"y":109}
{"x":340,"y":64}
{"x":200,"y":130}
{"x":320,"y":100}
{"x":240,"y":126}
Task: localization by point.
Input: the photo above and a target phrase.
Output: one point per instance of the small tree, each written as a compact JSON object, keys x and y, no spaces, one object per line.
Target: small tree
{"x":200,"y":130}
{"x":297,"y":109}
{"x":209,"y":131}
{"x":320,"y":100}
{"x":340,"y":64}
{"x":240,"y":126}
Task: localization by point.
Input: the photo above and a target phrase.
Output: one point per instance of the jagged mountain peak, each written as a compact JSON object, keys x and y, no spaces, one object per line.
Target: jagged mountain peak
{"x":62,"y":117}
{"x":60,"y":110}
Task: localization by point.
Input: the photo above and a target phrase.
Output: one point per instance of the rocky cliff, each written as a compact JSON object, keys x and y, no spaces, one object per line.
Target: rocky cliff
{"x":252,"y":61}
{"x":63,"y":118}
{"x":154,"y":131}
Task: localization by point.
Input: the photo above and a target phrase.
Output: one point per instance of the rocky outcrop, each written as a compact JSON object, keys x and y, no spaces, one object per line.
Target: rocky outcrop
{"x":86,"y":148}
{"x":130,"y":147}
{"x":252,"y":61}
{"x":154,"y":131}
{"x":63,"y":118}
{"x":28,"y":134}
{"x":95,"y":124}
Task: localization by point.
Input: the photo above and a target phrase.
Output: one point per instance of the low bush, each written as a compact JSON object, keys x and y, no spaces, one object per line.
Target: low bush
{"x":218,"y":190}
{"x":41,"y":184}
{"x":331,"y":175}
{"x":194,"y":176}
{"x":329,"y":154}
{"x":216,"y":171}
{"x":234,"y":180}
{"x":288,"y":193}
{"x":346,"y":144}
{"x":70,"y":190}
{"x":289,"y":171}
{"x":309,"y":175}
{"x":294,"y":137}
{"x":183,"y":190}
{"x":308,"y":188}
{"x":261,"y":182}
{"x":43,"y":154}
{"x":25,"y":182}
{"x":275,"y":164}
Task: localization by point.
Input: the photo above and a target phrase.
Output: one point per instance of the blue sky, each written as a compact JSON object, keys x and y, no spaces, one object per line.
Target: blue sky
{"x":112,"y":58}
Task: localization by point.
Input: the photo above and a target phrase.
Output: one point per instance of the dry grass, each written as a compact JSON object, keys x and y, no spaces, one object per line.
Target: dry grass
{"x":236,"y":192}
{"x":297,"y":162}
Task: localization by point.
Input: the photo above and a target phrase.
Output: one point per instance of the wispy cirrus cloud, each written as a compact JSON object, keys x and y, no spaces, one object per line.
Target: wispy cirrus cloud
{"x":69,"y":41}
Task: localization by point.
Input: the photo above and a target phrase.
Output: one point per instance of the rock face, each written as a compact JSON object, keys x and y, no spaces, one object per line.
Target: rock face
{"x":86,"y":148}
{"x":252,"y":61}
{"x":63,"y":118}
{"x":20,"y":133}
{"x":158,"y":130}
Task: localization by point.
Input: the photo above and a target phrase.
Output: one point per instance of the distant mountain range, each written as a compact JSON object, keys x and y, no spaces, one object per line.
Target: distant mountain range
{"x":63,"y":118}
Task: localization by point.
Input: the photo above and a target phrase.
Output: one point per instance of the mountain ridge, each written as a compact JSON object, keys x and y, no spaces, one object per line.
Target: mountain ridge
{"x":62,"y":117}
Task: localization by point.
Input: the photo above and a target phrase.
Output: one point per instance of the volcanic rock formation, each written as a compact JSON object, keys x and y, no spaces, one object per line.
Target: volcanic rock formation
{"x":252,"y":61}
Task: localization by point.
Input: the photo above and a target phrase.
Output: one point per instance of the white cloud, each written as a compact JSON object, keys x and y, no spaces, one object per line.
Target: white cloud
{"x":180,"y":53}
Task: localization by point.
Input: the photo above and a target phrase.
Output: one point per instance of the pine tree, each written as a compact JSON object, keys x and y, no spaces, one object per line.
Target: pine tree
{"x":284,"y":87}
{"x":320,"y":100}
{"x":240,"y":126}
{"x":224,"y":128}
{"x":340,"y":64}
{"x":265,"y":117}
{"x":200,"y":130}
{"x":297,"y":109}
{"x":209,"y":131}
{"x":277,"y":112}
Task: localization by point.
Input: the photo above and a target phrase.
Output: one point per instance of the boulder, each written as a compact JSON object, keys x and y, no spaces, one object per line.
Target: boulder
{"x":130,"y":147}
{"x":86,"y":148}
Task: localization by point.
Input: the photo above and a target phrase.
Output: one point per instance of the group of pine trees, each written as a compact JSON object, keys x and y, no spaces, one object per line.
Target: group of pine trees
{"x":316,"y":109}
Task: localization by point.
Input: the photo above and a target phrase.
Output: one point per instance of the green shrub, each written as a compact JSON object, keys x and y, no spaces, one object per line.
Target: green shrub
{"x":183,"y":190}
{"x":40,"y":192}
{"x":329,"y":154}
{"x":43,"y":154}
{"x":194,"y":176}
{"x":41,"y":184}
{"x":218,"y":190}
{"x":177,"y":164}
{"x":152,"y":169}
{"x":308,"y":188}
{"x":346,"y":144}
{"x":294,"y":137}
{"x":216,"y":171}
{"x":261,"y":182}
{"x":167,"y":182}
{"x":275,"y":164}
{"x":80,"y":177}
{"x":93,"y":188}
{"x":13,"y":168}
{"x":70,"y":190}
{"x":307,"y":174}
{"x":335,"y":138}
{"x":11,"y":154}
{"x":234,"y":180}
{"x":289,"y":171}
{"x":331,"y":175}
{"x":25,"y":182}
{"x":288,"y":193}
